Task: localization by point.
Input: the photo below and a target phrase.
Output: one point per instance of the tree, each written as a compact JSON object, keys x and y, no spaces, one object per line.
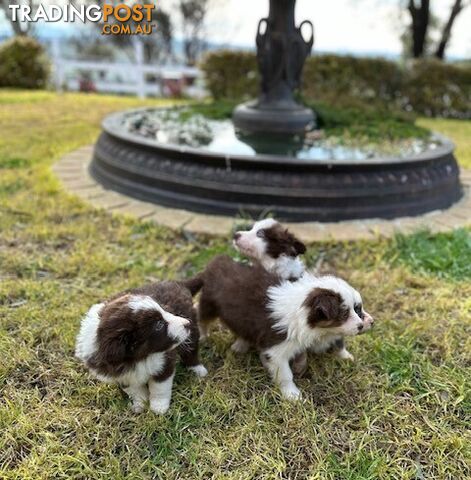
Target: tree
{"x":157,"y":45}
{"x":457,"y":8}
{"x":420,"y":16}
{"x":19,"y":28}
{"x":193,"y":14}
{"x":422,"y":20}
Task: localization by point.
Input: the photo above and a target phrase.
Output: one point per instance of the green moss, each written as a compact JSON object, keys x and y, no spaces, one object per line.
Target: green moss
{"x":370,"y":122}
{"x":220,"y":110}
{"x":352,"y":119}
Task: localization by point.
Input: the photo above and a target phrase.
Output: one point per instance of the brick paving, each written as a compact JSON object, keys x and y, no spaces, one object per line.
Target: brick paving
{"x":72,"y":171}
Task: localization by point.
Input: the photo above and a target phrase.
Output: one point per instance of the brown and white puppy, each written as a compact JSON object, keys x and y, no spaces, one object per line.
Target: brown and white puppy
{"x":133,"y":338}
{"x":280,"y":318}
{"x":277,"y":249}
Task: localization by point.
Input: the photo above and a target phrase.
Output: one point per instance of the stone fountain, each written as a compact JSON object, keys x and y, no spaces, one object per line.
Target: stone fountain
{"x":263,"y":162}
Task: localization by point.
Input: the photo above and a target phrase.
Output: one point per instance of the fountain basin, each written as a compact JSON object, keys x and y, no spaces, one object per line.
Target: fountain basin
{"x":291,"y":186}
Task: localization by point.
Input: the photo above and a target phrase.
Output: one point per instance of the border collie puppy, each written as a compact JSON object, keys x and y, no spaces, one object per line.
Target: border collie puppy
{"x":277,"y":249}
{"x":280,"y":318}
{"x":133,"y":338}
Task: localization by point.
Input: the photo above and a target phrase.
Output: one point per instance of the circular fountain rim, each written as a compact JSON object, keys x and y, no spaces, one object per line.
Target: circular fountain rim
{"x":110,"y":126}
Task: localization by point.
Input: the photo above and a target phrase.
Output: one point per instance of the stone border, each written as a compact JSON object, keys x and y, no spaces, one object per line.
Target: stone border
{"x":72,"y":171}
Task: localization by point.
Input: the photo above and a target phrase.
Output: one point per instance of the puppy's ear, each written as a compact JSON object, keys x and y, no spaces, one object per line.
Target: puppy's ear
{"x":299,"y":247}
{"x":116,"y":346}
{"x":324,"y":308}
{"x":296,"y":247}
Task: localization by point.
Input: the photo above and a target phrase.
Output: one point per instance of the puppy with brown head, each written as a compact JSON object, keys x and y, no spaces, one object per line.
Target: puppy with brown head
{"x":133,"y":339}
{"x":276,"y":248}
{"x":279,"y":318}
{"x":278,"y":251}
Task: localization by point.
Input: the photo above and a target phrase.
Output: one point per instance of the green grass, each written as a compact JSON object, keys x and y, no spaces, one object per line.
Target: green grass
{"x":401,"y":411}
{"x":456,"y":130}
{"x":446,"y":255}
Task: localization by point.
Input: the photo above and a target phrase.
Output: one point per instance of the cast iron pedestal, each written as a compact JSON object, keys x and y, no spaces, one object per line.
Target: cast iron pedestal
{"x":281,"y":53}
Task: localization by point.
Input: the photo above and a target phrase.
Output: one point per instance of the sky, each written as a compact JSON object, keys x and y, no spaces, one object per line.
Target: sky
{"x":346,"y":26}
{"x":341,"y":25}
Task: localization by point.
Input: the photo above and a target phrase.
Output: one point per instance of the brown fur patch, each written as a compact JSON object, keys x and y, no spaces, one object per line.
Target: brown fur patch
{"x":237,"y":294}
{"x":280,"y":241}
{"x":325,"y":308}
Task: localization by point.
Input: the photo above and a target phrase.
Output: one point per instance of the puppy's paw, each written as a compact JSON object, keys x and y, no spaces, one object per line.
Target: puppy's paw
{"x":203,"y":337}
{"x":291,"y":392}
{"x":137,"y":407}
{"x":344,"y":354}
{"x":199,"y":370}
{"x":240,"y":346}
{"x":159,"y":406}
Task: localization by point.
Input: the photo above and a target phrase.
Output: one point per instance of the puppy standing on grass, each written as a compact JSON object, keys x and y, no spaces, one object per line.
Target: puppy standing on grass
{"x":280,"y":318}
{"x":278,"y":251}
{"x":133,"y":338}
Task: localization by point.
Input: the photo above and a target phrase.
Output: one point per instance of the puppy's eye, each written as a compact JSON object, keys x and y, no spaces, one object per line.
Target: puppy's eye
{"x":261,"y":233}
{"x":358,"y":310}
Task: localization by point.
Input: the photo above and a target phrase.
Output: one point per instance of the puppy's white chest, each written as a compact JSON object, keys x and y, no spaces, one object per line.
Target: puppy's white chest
{"x":321,"y":345}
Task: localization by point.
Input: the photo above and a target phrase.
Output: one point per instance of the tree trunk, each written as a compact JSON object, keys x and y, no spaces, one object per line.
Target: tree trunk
{"x":420,"y":21}
{"x":446,"y":32}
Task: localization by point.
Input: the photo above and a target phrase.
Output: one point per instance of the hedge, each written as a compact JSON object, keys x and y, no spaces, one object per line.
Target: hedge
{"x":23,"y":64}
{"x":427,"y":87}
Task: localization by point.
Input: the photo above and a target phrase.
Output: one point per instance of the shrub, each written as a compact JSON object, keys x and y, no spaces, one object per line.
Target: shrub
{"x":231,"y":74}
{"x":23,"y":64}
{"x":367,"y":121}
{"x":427,"y":87}
{"x":437,"y":89}
{"x":330,"y":77}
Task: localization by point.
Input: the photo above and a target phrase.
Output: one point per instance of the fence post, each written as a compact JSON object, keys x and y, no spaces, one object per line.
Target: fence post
{"x":141,"y":75}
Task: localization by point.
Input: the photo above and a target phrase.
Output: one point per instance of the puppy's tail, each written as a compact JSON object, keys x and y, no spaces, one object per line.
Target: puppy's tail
{"x":194,"y":284}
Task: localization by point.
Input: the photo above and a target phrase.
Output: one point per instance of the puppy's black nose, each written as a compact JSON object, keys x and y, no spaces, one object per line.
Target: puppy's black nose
{"x":236,"y":236}
{"x":360,"y":327}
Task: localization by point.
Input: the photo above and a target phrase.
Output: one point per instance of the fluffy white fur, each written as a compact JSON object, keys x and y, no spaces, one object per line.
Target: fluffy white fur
{"x":141,"y":385}
{"x":287,"y":309}
{"x":85,"y":345}
{"x":254,"y":247}
{"x":284,"y":266}
{"x":160,"y":394}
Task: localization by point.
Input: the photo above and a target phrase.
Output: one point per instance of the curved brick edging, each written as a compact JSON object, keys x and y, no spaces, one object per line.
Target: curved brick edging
{"x":294,"y":190}
{"x":72,"y":171}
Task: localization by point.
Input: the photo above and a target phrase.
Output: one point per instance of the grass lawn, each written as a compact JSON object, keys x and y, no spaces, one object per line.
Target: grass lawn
{"x":402,"y":410}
